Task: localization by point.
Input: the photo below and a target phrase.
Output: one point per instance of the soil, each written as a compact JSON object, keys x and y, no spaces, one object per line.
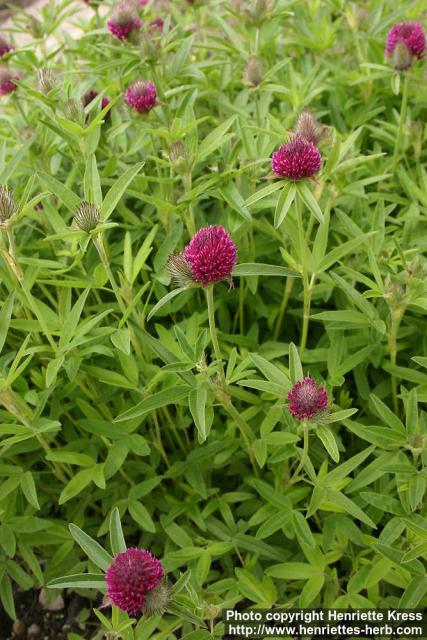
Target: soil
{"x":6,"y":8}
{"x":36,"y":623}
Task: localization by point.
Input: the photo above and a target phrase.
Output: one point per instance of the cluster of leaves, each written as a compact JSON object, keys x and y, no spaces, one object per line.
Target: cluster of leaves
{"x":104,"y":409}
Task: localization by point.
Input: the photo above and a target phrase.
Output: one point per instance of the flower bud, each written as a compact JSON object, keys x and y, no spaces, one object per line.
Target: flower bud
{"x":7,"y":81}
{"x":157,"y":599}
{"x":401,"y":57}
{"x":179,"y":157}
{"x":74,"y":110}
{"x":308,"y":400}
{"x":254,"y":71}
{"x":86,"y":216}
{"x":5,"y":47}
{"x":8,"y":206}
{"x":47,"y":80}
{"x":179,"y":270}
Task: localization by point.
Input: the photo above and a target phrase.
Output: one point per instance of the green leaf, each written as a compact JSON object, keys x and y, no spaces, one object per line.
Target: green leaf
{"x":284,"y":202}
{"x":327,"y":438}
{"x":140,"y":514}
{"x":266,"y":191}
{"x":197,"y":405}
{"x":259,"y":269}
{"x":157,"y":400}
{"x":235,"y":200}
{"x":92,"y":549}
{"x":79,"y":581}
{"x":67,"y":197}
{"x":29,"y":489}
{"x":214,"y":140}
{"x":310,"y":201}
{"x":92,"y":183}
{"x":5,"y":316}
{"x":117,"y":540}
{"x":161,"y":303}
{"x":117,"y":190}
{"x":341,"y":501}
{"x":414,"y":593}
{"x":302,"y":529}
{"x":295,"y":367}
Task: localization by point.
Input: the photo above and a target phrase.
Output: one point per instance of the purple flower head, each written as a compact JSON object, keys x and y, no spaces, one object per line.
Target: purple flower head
{"x":130,"y":578}
{"x":7,"y":82}
{"x":124,"y":20}
{"x":211,"y":255}
{"x":89,"y":96}
{"x":157,"y":23}
{"x":141,"y":96}
{"x":296,"y":159}
{"x":307,"y":399}
{"x":411,"y":34}
{"x":5,"y":47}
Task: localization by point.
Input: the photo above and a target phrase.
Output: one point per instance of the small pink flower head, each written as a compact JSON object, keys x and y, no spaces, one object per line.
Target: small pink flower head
{"x":296,"y":159}
{"x":307,"y":399}
{"x":143,"y":3}
{"x":141,"y":96}
{"x":7,"y":82}
{"x":131,"y":577}
{"x":211,"y":255}
{"x":90,"y":95}
{"x":411,"y":34}
{"x":124,"y":19}
{"x":157,"y":23}
{"x":5,"y":47}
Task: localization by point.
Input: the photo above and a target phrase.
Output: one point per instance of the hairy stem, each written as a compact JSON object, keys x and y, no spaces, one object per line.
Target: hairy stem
{"x":402,"y":120}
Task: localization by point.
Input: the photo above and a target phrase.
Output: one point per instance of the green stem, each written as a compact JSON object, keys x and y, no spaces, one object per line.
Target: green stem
{"x":104,"y":259}
{"x":402,"y":120}
{"x":396,"y":319}
{"x":306,"y":287}
{"x":213,"y":331}
{"x":189,"y":217}
{"x":304,"y":455}
{"x":286,"y":295}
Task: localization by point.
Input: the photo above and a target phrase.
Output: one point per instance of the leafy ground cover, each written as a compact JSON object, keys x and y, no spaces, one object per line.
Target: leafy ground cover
{"x":213,"y":298}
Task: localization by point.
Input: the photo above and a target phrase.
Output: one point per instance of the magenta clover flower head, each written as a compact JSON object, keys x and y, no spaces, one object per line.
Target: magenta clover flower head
{"x":410,"y":34}
{"x":7,"y":82}
{"x":307,"y":399}
{"x":124,"y":20}
{"x":5,"y":47}
{"x":296,"y":159}
{"x":90,"y":95}
{"x":211,"y":255}
{"x":131,"y":577}
{"x":141,"y":96}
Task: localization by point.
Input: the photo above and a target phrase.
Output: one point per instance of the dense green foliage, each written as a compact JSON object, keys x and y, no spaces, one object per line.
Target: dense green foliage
{"x":103,"y":407}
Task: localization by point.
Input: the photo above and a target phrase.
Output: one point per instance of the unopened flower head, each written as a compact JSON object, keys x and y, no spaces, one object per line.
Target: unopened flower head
{"x":308,"y":400}
{"x":254,"y":11}
{"x":401,"y":57}
{"x":409,"y":39}
{"x":157,"y":23}
{"x":5,"y":47}
{"x":131,"y":577}
{"x":254,"y":71}
{"x":296,"y":159}
{"x":308,"y":127}
{"x":47,"y":79}
{"x":86,"y":216}
{"x":141,"y":96}
{"x":90,"y":95}
{"x":179,"y":157}
{"x":179,"y":270}
{"x":73,"y":110}
{"x":124,"y":19}
{"x":8,"y":206}
{"x":157,"y":599}
{"x":7,"y":81}
{"x":211,"y":255}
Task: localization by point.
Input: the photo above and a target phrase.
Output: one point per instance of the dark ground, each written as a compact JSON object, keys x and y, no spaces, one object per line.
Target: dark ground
{"x":36,"y":623}
{"x":7,"y":8}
